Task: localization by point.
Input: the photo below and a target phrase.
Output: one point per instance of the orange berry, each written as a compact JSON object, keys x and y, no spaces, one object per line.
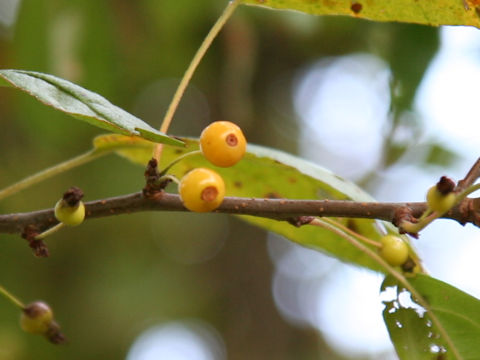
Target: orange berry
{"x":223,"y":143}
{"x":202,"y":190}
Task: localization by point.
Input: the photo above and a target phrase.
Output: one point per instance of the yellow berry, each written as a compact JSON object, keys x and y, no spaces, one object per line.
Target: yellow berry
{"x":394,"y":250}
{"x":439,"y":202}
{"x":70,"y":215}
{"x":202,"y":190}
{"x":223,"y":143}
{"x":36,"y":318}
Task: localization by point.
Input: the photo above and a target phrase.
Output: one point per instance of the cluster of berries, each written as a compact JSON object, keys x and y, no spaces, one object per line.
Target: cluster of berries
{"x":201,"y":190}
{"x":223,"y":144}
{"x":440,"y":198}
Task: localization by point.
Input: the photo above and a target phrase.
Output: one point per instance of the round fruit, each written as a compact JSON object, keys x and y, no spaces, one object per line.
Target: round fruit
{"x":439,"y":202}
{"x":70,"y":215}
{"x":223,"y":143}
{"x":36,"y":318}
{"x":394,"y":250}
{"x":202,"y":190}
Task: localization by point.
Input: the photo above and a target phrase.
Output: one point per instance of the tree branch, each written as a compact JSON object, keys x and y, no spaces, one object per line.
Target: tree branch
{"x":472,"y":175}
{"x":468,"y":211}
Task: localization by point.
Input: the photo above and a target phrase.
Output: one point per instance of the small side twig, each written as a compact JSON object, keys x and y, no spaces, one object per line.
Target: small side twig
{"x":38,"y":246}
{"x":472,"y":175}
{"x":155,"y":183}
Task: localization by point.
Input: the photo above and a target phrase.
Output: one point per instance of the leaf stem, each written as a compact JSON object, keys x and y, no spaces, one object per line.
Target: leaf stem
{"x":353,"y":233}
{"x":227,"y":13}
{"x":178,"y":159}
{"x":51,"y":171}
{"x":50,"y":231}
{"x":173,"y":178}
{"x":467,"y":192}
{"x":11,"y":297}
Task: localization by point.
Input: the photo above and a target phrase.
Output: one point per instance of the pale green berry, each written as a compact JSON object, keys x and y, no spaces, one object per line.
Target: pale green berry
{"x":394,"y":250}
{"x":36,"y":318}
{"x":439,"y":202}
{"x":70,"y":215}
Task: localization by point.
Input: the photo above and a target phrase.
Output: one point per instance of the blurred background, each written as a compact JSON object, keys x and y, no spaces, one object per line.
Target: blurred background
{"x":389,"y":106}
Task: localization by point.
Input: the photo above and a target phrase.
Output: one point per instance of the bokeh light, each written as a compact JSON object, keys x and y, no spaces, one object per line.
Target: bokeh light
{"x":343,"y":104}
{"x":178,"y":340}
{"x":448,"y":96}
{"x":8,"y":12}
{"x":348,"y":304}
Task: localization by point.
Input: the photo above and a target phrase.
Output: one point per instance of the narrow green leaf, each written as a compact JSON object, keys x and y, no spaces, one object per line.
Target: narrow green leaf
{"x":82,"y":104}
{"x":267,"y":173}
{"x":435,"y":13}
{"x":415,"y":336}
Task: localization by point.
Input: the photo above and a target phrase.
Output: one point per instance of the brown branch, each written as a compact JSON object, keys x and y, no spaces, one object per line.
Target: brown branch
{"x":472,"y":175}
{"x":468,"y":211}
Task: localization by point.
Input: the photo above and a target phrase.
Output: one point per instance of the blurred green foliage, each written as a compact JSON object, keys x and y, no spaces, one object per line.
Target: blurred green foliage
{"x":110,"y":279}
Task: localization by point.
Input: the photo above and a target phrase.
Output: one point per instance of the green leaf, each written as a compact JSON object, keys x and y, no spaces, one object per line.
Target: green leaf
{"x":266,"y":173}
{"x":414,"y":335}
{"x":440,"y":12}
{"x":439,"y":155}
{"x":458,"y":312}
{"x":411,"y":334}
{"x":82,"y":104}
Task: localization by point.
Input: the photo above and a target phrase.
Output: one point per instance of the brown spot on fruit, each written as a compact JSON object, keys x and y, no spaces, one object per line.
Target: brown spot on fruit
{"x":209,"y":193}
{"x":231,"y":140}
{"x":356,"y":7}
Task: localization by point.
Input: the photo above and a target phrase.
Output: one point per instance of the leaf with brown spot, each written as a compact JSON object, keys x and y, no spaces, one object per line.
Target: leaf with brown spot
{"x":435,"y":13}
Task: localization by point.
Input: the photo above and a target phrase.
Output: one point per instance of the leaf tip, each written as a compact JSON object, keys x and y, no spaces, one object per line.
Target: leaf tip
{"x":159,"y":137}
